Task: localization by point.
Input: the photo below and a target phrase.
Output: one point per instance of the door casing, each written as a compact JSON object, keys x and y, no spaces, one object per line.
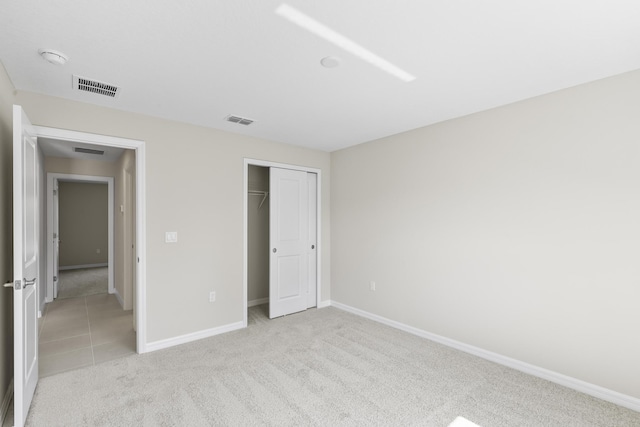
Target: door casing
{"x":141,"y":270}
{"x":52,"y":178}
{"x":245,"y":263}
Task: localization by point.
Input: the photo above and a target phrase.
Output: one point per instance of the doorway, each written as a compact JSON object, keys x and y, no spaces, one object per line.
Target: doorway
{"x":29,"y":261}
{"x":278,"y":195}
{"x":81,"y":239}
{"x":75,"y":203}
{"x":88,"y":318}
{"x":131,"y":232}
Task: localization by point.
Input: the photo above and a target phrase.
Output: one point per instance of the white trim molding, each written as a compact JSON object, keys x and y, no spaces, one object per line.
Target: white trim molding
{"x":141,"y":213}
{"x":555,"y":377}
{"x":6,"y":401}
{"x":78,"y":267}
{"x":194,"y":336}
{"x":118,"y":297}
{"x":259,"y":301}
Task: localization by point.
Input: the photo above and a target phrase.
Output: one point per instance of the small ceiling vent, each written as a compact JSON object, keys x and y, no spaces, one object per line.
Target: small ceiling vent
{"x":239,"y":120}
{"x":94,"y":86}
{"x":88,"y":151}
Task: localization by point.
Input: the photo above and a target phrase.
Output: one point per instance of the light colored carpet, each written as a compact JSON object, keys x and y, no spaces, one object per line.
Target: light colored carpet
{"x":83,"y":282}
{"x":320,"y":367}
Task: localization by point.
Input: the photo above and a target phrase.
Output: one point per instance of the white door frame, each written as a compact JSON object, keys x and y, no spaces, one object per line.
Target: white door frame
{"x":141,"y":246}
{"x":245,"y":263}
{"x":51,"y":179}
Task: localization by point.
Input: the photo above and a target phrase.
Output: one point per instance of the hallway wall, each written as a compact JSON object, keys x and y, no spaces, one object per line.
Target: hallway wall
{"x":6,"y":231}
{"x":125,"y":228}
{"x":84,"y":223}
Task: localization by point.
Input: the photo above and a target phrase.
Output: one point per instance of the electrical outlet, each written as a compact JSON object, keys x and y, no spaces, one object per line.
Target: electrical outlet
{"x":212,"y":297}
{"x":372,"y":285}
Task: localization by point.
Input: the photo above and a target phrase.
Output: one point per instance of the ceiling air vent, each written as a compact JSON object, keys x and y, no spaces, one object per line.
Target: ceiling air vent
{"x":88,"y":151}
{"x":239,"y":120}
{"x":94,"y":86}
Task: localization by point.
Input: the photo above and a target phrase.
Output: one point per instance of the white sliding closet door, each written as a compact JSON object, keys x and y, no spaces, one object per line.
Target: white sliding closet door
{"x":312,"y":247}
{"x":289,"y":242}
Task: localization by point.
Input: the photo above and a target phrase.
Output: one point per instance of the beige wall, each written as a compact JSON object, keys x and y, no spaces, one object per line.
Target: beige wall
{"x":515,"y":230}
{"x":258,"y":238}
{"x":194,"y":185}
{"x":84,"y":223}
{"x":80,"y":166}
{"x":6,"y":231}
{"x":124,"y":224}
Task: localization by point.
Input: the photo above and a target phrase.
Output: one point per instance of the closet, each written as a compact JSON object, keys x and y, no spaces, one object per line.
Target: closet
{"x":281,"y":239}
{"x":258,"y":236}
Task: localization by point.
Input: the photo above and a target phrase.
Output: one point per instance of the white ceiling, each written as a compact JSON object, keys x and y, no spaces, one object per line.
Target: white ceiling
{"x":65,"y":149}
{"x":197,"y":61}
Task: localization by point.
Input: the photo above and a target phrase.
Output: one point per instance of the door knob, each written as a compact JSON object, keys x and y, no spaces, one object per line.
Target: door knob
{"x":313,"y":246}
{"x":275,"y":250}
{"x":29,"y":282}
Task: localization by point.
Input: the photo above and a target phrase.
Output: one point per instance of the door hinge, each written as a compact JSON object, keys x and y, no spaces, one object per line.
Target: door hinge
{"x":55,"y":278}
{"x":55,"y":192}
{"x":55,"y":235}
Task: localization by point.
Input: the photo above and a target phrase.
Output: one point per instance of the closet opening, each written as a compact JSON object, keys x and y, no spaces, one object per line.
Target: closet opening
{"x":258,"y":241}
{"x":281,"y":273}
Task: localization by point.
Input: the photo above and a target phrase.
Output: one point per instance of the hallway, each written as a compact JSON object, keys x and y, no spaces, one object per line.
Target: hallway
{"x":84,"y":331}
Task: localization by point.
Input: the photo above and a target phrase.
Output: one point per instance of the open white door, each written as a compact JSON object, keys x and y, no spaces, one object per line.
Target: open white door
{"x":25,"y":264}
{"x":56,"y":239}
{"x":289,"y":238}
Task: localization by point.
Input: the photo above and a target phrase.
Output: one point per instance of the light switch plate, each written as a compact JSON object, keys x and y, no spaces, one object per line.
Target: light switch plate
{"x":171,"y":237}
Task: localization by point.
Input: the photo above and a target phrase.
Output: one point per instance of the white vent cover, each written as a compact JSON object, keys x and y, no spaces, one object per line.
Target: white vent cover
{"x":95,"y":86}
{"x":239,"y":120}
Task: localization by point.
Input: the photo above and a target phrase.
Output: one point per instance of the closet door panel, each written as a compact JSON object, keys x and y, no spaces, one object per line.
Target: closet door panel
{"x":289,"y":241}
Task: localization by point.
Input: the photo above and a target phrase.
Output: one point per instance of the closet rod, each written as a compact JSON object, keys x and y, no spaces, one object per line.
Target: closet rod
{"x":264,"y":195}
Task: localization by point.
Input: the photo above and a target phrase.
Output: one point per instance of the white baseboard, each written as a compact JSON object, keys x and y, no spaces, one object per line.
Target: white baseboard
{"x":323,"y":304}
{"x":261,"y":301}
{"x":257,"y":302}
{"x":183,"y":339}
{"x":6,"y":401}
{"x":118,"y":297}
{"x":77,"y":267}
{"x":555,"y":377}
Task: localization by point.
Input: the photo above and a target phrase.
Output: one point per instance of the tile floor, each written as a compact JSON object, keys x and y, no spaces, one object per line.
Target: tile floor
{"x":79,"y":332}
{"x":84,"y":331}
